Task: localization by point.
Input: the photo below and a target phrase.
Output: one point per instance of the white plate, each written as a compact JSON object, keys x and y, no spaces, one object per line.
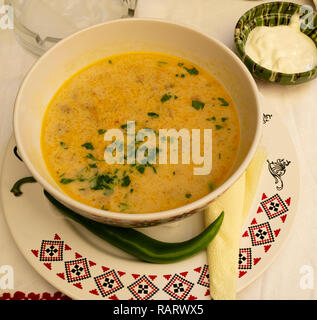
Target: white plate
{"x":84,"y":267}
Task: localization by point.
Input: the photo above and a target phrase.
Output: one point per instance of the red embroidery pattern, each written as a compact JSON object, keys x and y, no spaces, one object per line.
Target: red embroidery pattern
{"x":19,"y":295}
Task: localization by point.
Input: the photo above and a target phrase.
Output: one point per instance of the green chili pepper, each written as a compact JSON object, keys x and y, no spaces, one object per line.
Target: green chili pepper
{"x":139,"y":244}
{"x":134,"y":242}
{"x":16,"y":189}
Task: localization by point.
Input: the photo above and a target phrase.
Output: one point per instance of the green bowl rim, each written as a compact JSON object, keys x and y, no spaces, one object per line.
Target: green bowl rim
{"x":245,"y":58}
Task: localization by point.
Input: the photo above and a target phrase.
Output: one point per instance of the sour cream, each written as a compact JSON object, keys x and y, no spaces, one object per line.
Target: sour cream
{"x":282,"y":48}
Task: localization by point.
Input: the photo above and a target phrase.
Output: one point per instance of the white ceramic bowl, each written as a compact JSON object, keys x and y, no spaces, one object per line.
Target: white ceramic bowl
{"x":127,"y":35}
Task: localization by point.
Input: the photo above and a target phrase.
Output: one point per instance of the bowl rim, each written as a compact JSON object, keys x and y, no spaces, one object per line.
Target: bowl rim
{"x":240,"y":47}
{"x":153,"y":216}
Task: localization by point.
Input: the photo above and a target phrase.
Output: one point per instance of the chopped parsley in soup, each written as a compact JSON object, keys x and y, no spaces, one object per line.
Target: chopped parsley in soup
{"x":156,"y":91}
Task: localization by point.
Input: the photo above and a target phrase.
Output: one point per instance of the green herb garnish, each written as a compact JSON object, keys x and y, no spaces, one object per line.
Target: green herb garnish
{"x":218,"y":127}
{"x":125,"y":181}
{"x":188,"y":195}
{"x":91,"y":157}
{"x":224,"y":103}
{"x":63,"y":145}
{"x":101,"y":182}
{"x":198,"y":105}
{"x":101,"y":131}
{"x":192,"y":71}
{"x":92,"y":165}
{"x":153,"y":115}
{"x":66,"y":181}
{"x":153,"y":168}
{"x":166,"y":97}
{"x":141,"y":169}
{"x":211,"y":186}
{"x":211,"y":119}
{"x":88,"y":146}
{"x":224,"y":119}
{"x":123,"y":206}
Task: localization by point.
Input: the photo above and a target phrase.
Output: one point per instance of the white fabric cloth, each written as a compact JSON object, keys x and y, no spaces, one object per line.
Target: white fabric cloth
{"x":296,"y":106}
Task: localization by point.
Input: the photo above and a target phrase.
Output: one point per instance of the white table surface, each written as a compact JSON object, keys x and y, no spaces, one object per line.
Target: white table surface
{"x":297,"y":107}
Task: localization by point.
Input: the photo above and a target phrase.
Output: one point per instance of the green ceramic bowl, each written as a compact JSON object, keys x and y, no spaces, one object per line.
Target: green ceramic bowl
{"x":273,"y":14}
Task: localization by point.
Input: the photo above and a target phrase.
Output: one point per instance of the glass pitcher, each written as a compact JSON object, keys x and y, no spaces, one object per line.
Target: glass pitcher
{"x":40,"y":24}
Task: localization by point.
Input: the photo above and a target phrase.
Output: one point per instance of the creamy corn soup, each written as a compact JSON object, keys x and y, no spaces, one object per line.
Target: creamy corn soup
{"x":156,"y":91}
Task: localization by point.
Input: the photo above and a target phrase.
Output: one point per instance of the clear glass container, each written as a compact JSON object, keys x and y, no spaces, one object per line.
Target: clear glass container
{"x":40,"y":24}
